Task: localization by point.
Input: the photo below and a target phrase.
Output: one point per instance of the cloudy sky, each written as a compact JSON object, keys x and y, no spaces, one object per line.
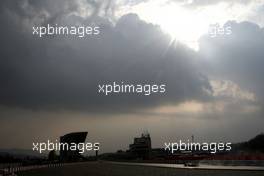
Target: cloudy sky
{"x":214,"y":84}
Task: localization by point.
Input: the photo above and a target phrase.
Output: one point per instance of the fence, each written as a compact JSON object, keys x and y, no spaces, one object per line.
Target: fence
{"x":9,"y":169}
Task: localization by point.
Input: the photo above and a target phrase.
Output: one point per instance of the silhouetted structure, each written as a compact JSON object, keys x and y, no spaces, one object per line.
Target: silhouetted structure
{"x":76,"y":138}
{"x":52,"y":156}
{"x":141,"y":146}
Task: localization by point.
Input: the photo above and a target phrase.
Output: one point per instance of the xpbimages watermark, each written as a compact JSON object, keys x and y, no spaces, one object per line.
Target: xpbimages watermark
{"x":119,"y":88}
{"x":58,"y":146}
{"x":212,"y":147}
{"x":218,"y":30}
{"x":78,"y":31}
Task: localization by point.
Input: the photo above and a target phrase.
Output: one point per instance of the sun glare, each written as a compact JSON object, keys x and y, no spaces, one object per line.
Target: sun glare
{"x":183,"y":24}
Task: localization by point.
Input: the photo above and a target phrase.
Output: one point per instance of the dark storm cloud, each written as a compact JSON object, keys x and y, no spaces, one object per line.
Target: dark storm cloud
{"x":51,"y":11}
{"x":40,"y":75}
{"x":60,"y":72}
{"x":237,"y":57}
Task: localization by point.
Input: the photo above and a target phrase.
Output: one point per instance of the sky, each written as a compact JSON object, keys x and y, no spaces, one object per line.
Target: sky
{"x":214,"y":85}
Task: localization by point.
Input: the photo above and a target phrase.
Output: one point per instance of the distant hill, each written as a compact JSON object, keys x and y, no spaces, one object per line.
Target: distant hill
{"x":20,"y":153}
{"x":255,"y":144}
